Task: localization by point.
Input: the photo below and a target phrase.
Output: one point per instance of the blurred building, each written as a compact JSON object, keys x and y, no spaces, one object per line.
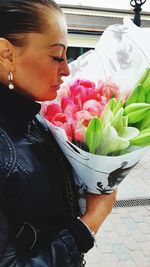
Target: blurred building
{"x":86,"y":24}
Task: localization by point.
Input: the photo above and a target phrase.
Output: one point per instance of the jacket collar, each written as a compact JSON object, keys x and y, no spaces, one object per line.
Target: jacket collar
{"x":15,"y":106}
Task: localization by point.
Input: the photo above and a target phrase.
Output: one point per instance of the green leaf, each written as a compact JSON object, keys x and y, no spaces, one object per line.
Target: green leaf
{"x":112,"y":103}
{"x":140,"y":90}
{"x":135,"y":107}
{"x":118,"y":122}
{"x":147,"y":97}
{"x":145,"y":122}
{"x":146,"y":83}
{"x":138,"y":115}
{"x":125,"y":121}
{"x":133,"y":96}
{"x":107,"y":116}
{"x":94,"y":134}
{"x":118,"y":106}
{"x":143,"y":139}
{"x":141,"y":95}
{"x":144,"y":76}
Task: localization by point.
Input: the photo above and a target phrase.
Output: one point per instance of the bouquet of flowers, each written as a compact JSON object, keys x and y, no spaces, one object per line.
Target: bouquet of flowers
{"x":102,"y":126}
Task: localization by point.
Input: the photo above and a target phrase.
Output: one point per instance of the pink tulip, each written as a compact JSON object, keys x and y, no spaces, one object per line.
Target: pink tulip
{"x":78,"y":103}
{"x":83,"y":117}
{"x":99,"y":90}
{"x":91,"y":93}
{"x":81,"y":90}
{"x":78,"y":94}
{"x":86,"y":83}
{"x":69,"y":131}
{"x":93,"y":106}
{"x":51,"y":110}
{"x":68,"y":104}
{"x":103,"y":100}
{"x":79,"y":134}
{"x":59,"y":118}
{"x":110,"y":90}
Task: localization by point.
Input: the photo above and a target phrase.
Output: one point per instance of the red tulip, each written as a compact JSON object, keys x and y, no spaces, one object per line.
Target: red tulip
{"x":59,"y":117}
{"x":51,"y":110}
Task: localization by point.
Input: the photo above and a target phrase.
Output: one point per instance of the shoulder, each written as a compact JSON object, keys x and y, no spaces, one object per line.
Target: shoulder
{"x":7,"y":153}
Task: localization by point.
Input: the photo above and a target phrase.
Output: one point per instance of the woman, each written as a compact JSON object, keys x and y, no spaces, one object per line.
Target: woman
{"x":39,"y":214}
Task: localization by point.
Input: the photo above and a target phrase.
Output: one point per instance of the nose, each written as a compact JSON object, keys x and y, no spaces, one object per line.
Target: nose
{"x":65,"y":71}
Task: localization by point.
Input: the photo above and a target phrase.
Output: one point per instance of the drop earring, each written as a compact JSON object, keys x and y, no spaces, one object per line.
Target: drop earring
{"x":10,"y":81}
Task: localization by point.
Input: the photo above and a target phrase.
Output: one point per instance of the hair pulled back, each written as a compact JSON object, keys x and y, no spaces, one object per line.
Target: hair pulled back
{"x":18,"y":17}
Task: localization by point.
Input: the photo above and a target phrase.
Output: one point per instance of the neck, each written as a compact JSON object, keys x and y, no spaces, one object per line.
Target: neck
{"x":15,"y":107}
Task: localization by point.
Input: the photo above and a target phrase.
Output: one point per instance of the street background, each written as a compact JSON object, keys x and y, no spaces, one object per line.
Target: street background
{"x":117,"y":4}
{"x":124,"y":238}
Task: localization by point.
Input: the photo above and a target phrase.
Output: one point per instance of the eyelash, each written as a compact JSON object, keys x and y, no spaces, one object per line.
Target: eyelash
{"x":59,"y":59}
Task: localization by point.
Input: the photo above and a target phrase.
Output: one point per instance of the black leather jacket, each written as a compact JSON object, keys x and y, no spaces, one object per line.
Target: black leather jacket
{"x":37,"y":228}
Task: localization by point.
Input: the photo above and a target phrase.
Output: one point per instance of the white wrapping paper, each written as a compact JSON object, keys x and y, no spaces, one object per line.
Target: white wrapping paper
{"x":95,"y":173}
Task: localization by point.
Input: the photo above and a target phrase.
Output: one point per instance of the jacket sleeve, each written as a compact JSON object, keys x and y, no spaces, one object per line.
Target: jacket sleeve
{"x":62,"y":251}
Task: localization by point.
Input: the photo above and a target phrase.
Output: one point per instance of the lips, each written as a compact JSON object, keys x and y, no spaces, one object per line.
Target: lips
{"x":57,"y":86}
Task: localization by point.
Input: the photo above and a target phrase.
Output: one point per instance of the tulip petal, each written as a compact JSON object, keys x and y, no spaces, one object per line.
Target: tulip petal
{"x":111,"y":142}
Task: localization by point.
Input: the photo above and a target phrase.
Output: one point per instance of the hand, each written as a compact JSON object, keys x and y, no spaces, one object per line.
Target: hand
{"x":98,"y":208}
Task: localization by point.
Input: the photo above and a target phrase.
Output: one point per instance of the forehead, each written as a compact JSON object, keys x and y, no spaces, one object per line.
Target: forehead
{"x":53,"y":37}
{"x":56,"y":30}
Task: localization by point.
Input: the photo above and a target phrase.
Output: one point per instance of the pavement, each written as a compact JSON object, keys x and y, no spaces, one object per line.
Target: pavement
{"x":124,"y":238}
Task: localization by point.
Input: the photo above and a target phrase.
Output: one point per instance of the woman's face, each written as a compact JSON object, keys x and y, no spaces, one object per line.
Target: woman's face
{"x":40,"y":65}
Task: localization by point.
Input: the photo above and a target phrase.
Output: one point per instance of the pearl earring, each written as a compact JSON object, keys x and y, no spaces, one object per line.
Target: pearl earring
{"x":10,"y":81}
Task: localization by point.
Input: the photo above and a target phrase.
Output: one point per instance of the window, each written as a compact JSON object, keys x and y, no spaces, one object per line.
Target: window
{"x":74,"y":52}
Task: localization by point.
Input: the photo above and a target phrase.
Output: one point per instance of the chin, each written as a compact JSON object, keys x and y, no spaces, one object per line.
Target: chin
{"x":50,"y":97}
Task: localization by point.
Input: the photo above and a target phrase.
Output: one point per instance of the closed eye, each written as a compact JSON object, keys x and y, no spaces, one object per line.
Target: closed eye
{"x":59,"y":59}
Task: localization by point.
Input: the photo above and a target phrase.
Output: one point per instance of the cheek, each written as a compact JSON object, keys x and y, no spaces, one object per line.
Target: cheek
{"x":36,"y":77}
{"x":36,"y":67}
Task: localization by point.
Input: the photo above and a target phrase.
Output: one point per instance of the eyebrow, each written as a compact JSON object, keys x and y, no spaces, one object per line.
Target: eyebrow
{"x":58,"y":44}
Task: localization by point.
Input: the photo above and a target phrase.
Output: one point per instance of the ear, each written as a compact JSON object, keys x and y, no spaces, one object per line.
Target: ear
{"x":6,"y":54}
